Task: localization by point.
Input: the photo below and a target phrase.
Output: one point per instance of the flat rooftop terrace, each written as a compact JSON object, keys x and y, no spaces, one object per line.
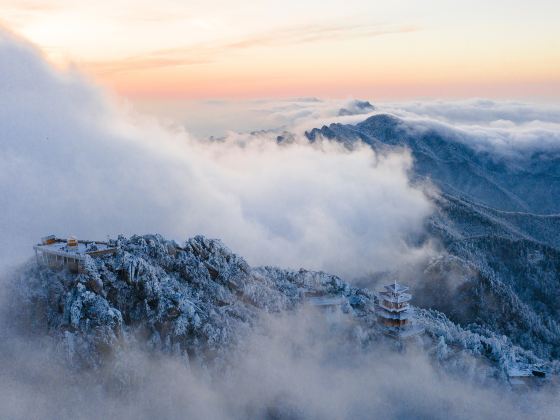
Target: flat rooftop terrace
{"x":60,"y":247}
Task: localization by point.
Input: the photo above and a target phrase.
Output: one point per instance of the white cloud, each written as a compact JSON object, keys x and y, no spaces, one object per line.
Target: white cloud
{"x":72,"y":162}
{"x":302,"y":365}
{"x":504,"y":129}
{"x":75,"y":163}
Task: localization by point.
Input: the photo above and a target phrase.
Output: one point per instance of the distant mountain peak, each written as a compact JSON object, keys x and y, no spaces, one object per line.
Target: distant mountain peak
{"x":356,"y":107}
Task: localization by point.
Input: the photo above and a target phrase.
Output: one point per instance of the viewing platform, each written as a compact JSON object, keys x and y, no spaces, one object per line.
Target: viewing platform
{"x":69,"y":253}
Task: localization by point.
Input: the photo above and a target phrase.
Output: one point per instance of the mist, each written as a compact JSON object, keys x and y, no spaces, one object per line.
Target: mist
{"x":305,"y":364}
{"x":504,"y":129}
{"x":76,"y":161}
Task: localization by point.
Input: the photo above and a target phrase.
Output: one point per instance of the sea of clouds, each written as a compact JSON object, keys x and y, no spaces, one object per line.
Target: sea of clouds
{"x":299,"y":365}
{"x":74,"y":161}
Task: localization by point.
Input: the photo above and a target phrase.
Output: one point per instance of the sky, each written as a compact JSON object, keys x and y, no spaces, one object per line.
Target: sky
{"x":402,"y":49}
{"x":73,"y":161}
{"x":98,"y":169}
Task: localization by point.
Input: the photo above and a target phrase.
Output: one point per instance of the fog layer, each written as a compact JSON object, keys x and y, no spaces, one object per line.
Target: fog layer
{"x":74,"y":162}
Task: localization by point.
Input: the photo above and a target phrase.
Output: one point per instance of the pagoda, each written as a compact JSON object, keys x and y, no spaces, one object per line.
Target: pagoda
{"x":394,"y":313}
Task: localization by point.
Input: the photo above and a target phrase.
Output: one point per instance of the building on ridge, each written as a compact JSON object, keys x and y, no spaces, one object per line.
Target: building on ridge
{"x":69,"y":253}
{"x":394,"y":313}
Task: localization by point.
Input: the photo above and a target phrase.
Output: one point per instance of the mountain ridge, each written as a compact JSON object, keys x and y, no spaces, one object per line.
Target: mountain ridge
{"x":443,"y":156}
{"x":504,"y":245}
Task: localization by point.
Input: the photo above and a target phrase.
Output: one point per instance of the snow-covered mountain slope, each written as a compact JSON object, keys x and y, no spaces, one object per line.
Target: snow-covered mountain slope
{"x":200,"y":301}
{"x":497,"y":223}
{"x":489,"y":300}
{"x":443,"y":156}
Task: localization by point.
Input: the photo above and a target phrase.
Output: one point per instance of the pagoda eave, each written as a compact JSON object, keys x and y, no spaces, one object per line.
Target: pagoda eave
{"x":397,"y":316}
{"x":404,"y":297}
{"x":394,"y":310}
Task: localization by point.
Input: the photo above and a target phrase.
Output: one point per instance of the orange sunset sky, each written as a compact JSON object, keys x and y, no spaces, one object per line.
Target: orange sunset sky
{"x":172,"y":49}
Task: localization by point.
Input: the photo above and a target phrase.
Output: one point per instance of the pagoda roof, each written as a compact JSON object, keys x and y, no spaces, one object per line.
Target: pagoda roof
{"x":400,"y":298}
{"x":390,"y":309}
{"x":396,"y":288}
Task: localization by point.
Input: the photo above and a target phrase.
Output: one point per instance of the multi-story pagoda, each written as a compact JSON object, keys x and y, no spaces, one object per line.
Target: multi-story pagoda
{"x":394,"y":313}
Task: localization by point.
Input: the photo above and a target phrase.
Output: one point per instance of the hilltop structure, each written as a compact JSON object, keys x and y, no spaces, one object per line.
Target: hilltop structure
{"x":324,"y":300}
{"x":394,"y":313}
{"x":69,"y":253}
{"x":202,"y":299}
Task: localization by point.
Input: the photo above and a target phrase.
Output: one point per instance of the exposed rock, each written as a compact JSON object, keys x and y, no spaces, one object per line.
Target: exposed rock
{"x":202,"y":301}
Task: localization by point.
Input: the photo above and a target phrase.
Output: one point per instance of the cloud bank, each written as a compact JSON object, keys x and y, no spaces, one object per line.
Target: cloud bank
{"x":505,"y":129}
{"x":73,"y":162}
{"x":302,"y":365}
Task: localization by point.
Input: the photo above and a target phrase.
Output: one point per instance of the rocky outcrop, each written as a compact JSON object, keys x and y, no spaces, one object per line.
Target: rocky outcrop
{"x":199,"y":301}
